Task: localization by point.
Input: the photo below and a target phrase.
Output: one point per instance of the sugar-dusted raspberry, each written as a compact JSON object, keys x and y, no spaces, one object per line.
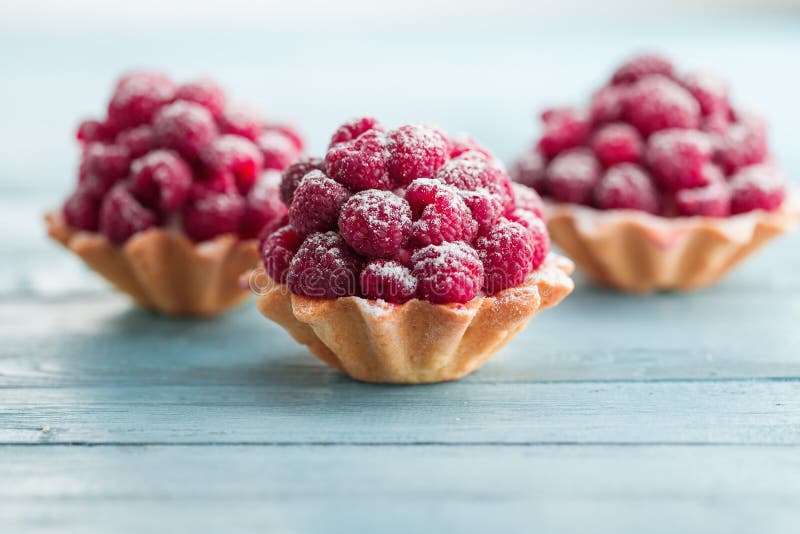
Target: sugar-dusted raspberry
{"x":617,"y":142}
{"x":440,"y":215}
{"x":716,"y":123}
{"x":185,"y":127}
{"x":317,"y":203}
{"x":288,"y":131}
{"x":627,"y":186}
{"x":241,"y":120}
{"x":506,"y":253}
{"x":121,"y":216}
{"x":388,"y":280}
{"x":208,"y":213}
{"x":81,"y":211}
{"x":564,"y":128}
{"x":294,"y":173}
{"x":757,"y":187}
{"x":485,"y":206}
{"x":278,"y":149}
{"x":677,"y":158}
{"x":640,"y":66}
{"x":361,"y":163}
{"x":447,"y":273}
{"x":460,"y":143}
{"x":744,"y":143}
{"x":415,"y":151}
{"x":277,"y":251}
{"x":206,"y":92}
{"x":93,"y":131}
{"x":137,"y":97}
{"x":710,"y":91}
{"x":263,"y":205}
{"x":657,"y":103}
{"x":354,"y":128}
{"x":538,"y":229}
{"x":529,"y":170}
{"x":139,"y":140}
{"x":325,"y":267}
{"x":608,"y":104}
{"x":103,"y":166}
{"x":237,"y":155}
{"x":710,"y":201}
{"x":375,"y":223}
{"x":528,"y":199}
{"x":161,"y":180}
{"x":473,"y":170}
{"x":571,"y":176}
{"x":220,"y":182}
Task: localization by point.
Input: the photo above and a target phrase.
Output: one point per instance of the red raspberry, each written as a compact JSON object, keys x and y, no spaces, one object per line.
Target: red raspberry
{"x":102,"y":167}
{"x":278,"y":250}
{"x":236,"y":155}
{"x":710,"y":201}
{"x":220,"y":182}
{"x":137,"y":97}
{"x":563,"y":129}
{"x":710,"y":90}
{"x":415,"y":152}
{"x":617,"y":142}
{"x":208,"y":213}
{"x":91,"y":131}
{"x":608,"y":104}
{"x":626,"y":186}
{"x":528,"y":199}
{"x":241,"y":120}
{"x":538,"y":229}
{"x":440,"y":214}
{"x":139,"y":140}
{"x":572,"y":176}
{"x":743,"y":144}
{"x":294,"y":173}
{"x":388,"y":280}
{"x":716,"y":123}
{"x":447,"y":273}
{"x":472,"y":171}
{"x":360,"y":164}
{"x":375,"y":223}
{"x":121,"y":216}
{"x":185,"y":127}
{"x":757,"y":187}
{"x":640,"y":66}
{"x":206,"y":92}
{"x":324,"y":267}
{"x":677,"y":158}
{"x":81,"y":211}
{"x":263,"y":206}
{"x":506,"y":253}
{"x":461,"y":143}
{"x":486,"y":207}
{"x":288,"y":131}
{"x":317,"y":203}
{"x":161,"y":180}
{"x":657,"y":103}
{"x":529,"y":170}
{"x":278,"y":150}
{"x":353,"y":129}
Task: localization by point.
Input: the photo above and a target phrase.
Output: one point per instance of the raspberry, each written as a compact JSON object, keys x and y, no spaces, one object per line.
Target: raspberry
{"x":461,"y":143}
{"x":710,"y":91}
{"x":571,"y":177}
{"x":640,"y":66}
{"x":278,"y":150}
{"x":617,"y":142}
{"x":137,"y":97}
{"x":677,"y":158}
{"x":415,"y":152}
{"x":451,"y":272}
{"x":388,"y":280}
{"x":353,"y":129}
{"x":375,"y":223}
{"x":220,"y":182}
{"x":716,"y":123}
{"x":208,"y":213}
{"x":608,"y":104}
{"x":757,"y":187}
{"x":710,"y":201}
{"x":743,"y":144}
{"x":205,"y":92}
{"x":278,"y":250}
{"x":161,"y":180}
{"x":657,"y":103}
{"x":472,"y":171}
{"x":121,"y":216}
{"x":360,"y":164}
{"x":288,"y":131}
{"x":486,"y":207}
{"x":528,"y":199}
{"x":529,"y":170}
{"x":237,"y":155}
{"x":316,"y":204}
{"x":538,"y":229}
{"x":242,"y":121}
{"x":185,"y":127}
{"x":81,"y":211}
{"x":626,"y":186}
{"x":440,"y":214}
{"x":324,"y":267}
{"x":294,"y":173}
{"x":506,"y":253}
{"x":139,"y":140}
{"x":90,"y":131}
{"x":263,"y":206}
{"x":102,"y":167}
{"x":563,"y":129}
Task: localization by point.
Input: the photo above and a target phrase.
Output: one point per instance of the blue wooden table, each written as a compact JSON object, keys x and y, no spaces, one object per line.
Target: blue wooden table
{"x":610,"y":413}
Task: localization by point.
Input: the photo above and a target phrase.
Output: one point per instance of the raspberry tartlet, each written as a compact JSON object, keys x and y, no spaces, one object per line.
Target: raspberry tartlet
{"x":174,"y":187}
{"x":407,"y":256}
{"x":659,"y":183}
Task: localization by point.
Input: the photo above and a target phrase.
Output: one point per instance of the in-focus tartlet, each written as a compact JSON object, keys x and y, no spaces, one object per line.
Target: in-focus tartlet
{"x":407,"y":256}
{"x":661,"y":184}
{"x":174,"y":187}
